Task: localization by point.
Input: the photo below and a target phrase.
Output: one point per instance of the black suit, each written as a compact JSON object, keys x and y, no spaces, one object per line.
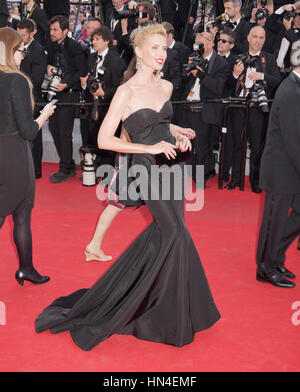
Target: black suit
{"x":168,"y":11}
{"x":42,"y":24}
{"x":123,"y":41}
{"x":257,"y":123}
{"x":73,"y":62}
{"x":3,"y":13}
{"x":57,"y":7}
{"x":171,"y":70}
{"x":241,"y":42}
{"x":35,"y":66}
{"x":212,"y":83}
{"x":182,"y":20}
{"x":280,"y":177}
{"x":114,"y":69}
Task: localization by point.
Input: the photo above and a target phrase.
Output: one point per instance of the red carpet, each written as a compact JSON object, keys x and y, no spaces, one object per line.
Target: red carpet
{"x":255,"y":332}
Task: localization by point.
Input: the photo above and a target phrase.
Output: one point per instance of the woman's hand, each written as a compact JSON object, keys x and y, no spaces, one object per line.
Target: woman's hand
{"x":183,"y":143}
{"x":48,"y":110}
{"x":163,"y":148}
{"x":189,"y":132}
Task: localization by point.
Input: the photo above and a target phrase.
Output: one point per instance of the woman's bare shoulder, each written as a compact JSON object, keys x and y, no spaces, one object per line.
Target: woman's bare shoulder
{"x":167,"y":87}
{"x":125,"y":91}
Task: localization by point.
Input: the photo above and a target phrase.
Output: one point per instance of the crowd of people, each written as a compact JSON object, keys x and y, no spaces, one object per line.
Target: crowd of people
{"x":82,"y":47}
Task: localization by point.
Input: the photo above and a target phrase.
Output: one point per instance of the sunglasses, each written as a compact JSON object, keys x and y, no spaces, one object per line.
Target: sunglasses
{"x":224,"y":41}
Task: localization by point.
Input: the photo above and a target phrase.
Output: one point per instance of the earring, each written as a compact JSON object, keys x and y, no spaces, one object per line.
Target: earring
{"x":139,"y":63}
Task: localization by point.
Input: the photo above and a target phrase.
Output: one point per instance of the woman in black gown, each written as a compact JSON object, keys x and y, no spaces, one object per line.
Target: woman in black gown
{"x":157,"y":289}
{"x":17,"y":177}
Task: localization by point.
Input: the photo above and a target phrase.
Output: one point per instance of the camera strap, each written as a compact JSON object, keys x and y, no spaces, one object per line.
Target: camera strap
{"x":240,"y":84}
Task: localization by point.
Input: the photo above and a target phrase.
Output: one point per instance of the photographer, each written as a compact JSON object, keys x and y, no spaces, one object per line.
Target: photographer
{"x":183,"y":19}
{"x":255,"y":69}
{"x":260,"y":17}
{"x":291,"y":35}
{"x":3,"y":13}
{"x":34,"y":12}
{"x":66,"y":57}
{"x":240,"y":27}
{"x":34,"y":64}
{"x":105,"y":70}
{"x":125,"y":20}
{"x":225,"y":44}
{"x":183,"y":53}
{"x":207,"y":76}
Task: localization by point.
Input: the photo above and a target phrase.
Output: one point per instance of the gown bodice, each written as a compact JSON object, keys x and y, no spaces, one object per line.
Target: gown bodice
{"x":148,"y":126}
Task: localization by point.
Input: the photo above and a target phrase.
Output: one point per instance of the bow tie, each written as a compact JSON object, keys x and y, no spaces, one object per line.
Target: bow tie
{"x":253,"y":57}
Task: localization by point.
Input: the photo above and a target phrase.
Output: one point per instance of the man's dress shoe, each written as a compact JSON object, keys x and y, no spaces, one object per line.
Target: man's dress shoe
{"x":275,"y":278}
{"x":286,"y":273}
{"x":231,"y":185}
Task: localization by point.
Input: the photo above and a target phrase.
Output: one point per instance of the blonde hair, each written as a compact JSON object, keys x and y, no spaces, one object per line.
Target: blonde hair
{"x":139,"y":35}
{"x":12,"y":41}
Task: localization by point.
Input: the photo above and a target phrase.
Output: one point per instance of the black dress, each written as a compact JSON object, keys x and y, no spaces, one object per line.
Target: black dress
{"x":157,"y":289}
{"x":17,"y":178}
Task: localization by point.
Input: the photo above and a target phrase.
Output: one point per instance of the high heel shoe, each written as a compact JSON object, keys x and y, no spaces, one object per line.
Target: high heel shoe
{"x":38,"y":279}
{"x":92,"y":256}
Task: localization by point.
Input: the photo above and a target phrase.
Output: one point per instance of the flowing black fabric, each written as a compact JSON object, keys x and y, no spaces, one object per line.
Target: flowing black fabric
{"x":157,"y":289}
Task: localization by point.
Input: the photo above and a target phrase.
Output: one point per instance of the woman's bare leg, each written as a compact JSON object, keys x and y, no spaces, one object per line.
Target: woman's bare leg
{"x":106,"y":219}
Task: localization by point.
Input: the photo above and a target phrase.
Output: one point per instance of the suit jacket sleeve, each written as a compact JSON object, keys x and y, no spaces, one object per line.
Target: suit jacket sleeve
{"x":117,"y":69}
{"x":272,"y":75}
{"x":76,"y":55}
{"x":38,"y":69}
{"x":215,"y":83}
{"x":21,"y":103}
{"x":289,"y":119}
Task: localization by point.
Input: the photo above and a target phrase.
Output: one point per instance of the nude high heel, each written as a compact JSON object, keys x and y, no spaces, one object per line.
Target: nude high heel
{"x":92,"y":256}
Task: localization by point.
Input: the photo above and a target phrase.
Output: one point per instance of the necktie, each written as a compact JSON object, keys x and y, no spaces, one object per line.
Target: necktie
{"x":99,"y":58}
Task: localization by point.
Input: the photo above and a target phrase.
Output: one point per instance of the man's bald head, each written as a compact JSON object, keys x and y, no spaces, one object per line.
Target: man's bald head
{"x":256,"y":39}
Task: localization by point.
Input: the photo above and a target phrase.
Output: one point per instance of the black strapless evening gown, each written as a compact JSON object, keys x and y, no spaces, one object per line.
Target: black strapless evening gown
{"x":157,"y":289}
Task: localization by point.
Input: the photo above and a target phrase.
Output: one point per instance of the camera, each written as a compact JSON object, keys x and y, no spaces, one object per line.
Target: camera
{"x":261,"y":13}
{"x":129,"y":14}
{"x":258,"y":94}
{"x":93,"y":83}
{"x":248,"y":62}
{"x":288,"y":15}
{"x":197,"y":58}
{"x":223,"y":18}
{"x":51,"y":83}
{"x":81,"y":110}
{"x":89,"y":155}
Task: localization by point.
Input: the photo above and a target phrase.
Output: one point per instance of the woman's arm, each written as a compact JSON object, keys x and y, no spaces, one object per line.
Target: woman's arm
{"x":190,"y":133}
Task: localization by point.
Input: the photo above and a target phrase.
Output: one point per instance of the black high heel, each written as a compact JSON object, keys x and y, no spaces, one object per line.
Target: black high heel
{"x":21,"y":276}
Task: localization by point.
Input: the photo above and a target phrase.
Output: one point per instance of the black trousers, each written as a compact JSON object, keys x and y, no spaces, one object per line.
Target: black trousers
{"x":105,"y":157}
{"x":61,"y":125}
{"x":202,"y":152}
{"x":37,"y":147}
{"x":257,"y":127}
{"x":278,"y":230}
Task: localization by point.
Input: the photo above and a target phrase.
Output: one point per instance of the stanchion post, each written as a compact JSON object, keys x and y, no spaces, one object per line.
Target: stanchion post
{"x":244,"y":145}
